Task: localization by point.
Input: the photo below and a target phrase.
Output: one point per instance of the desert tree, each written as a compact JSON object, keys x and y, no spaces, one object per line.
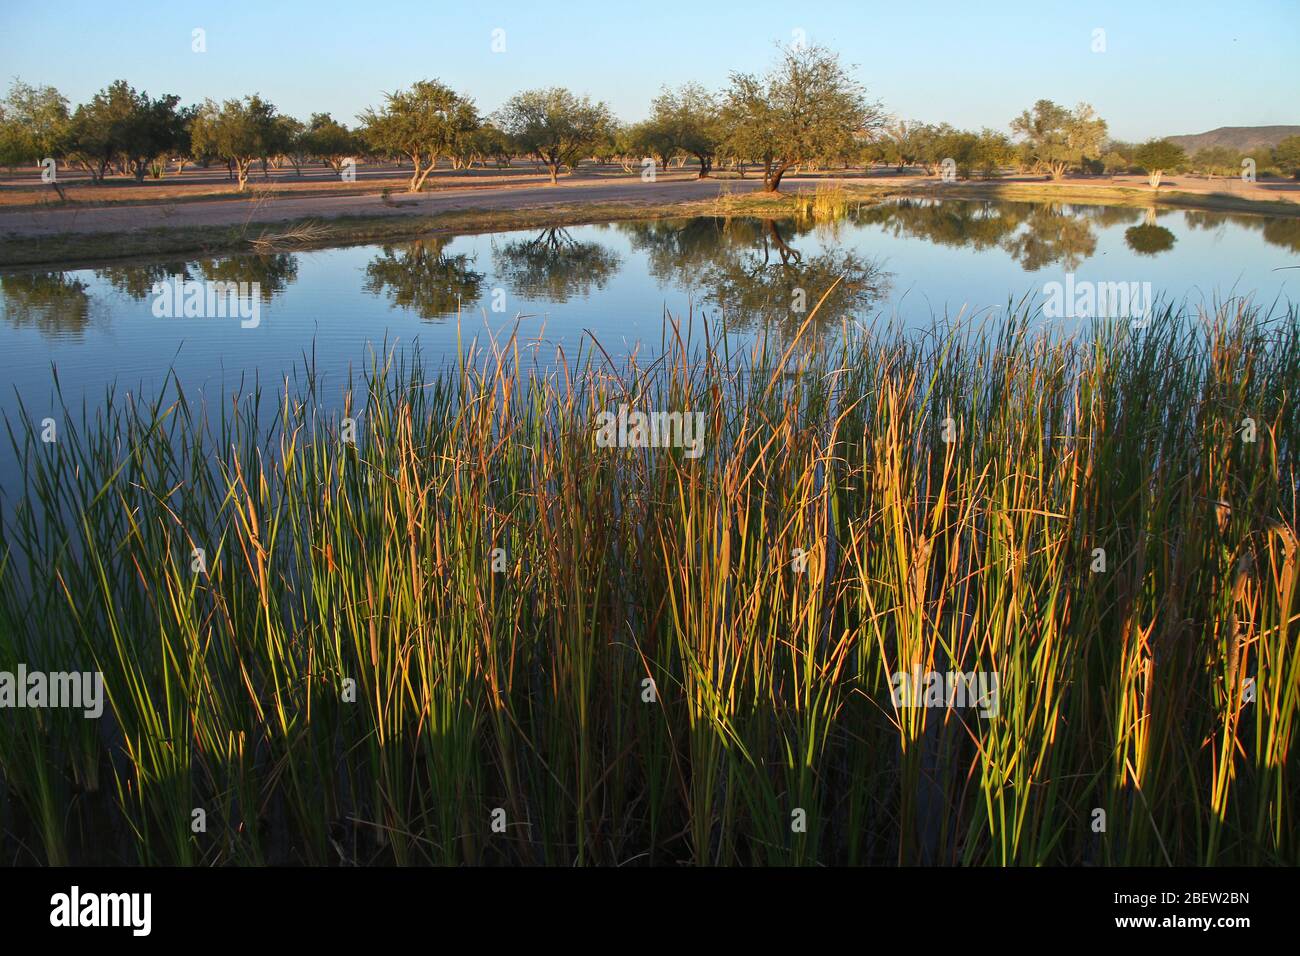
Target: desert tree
{"x":688,"y":120}
{"x":1058,"y":138}
{"x":606,"y":148}
{"x":153,"y":129}
{"x":33,"y":124}
{"x":122,"y":127}
{"x":95,"y":132}
{"x":623,"y":145}
{"x":932,"y":144}
{"x":329,"y":140}
{"x":875,"y":151}
{"x":238,"y":131}
{"x":424,"y":123}
{"x":1115,"y":162}
{"x":292,"y":135}
{"x":652,"y":139}
{"x":983,"y":152}
{"x":993,"y":151}
{"x":1216,"y":161}
{"x":1286,"y":155}
{"x":491,"y":143}
{"x":806,"y":109}
{"x":555,"y":126}
{"x":1156,"y":156}
{"x":899,"y":143}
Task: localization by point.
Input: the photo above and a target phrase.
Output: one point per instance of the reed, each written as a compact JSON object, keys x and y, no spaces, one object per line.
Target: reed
{"x":463,"y":632}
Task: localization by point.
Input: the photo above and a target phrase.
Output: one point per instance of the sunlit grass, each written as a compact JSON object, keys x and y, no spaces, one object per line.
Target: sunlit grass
{"x":829,"y":537}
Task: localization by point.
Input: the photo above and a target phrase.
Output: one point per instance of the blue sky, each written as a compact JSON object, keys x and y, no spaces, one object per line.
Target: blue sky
{"x":1167,"y":68}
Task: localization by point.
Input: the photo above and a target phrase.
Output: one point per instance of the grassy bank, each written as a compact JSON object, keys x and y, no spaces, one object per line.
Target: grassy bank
{"x":475,"y":635}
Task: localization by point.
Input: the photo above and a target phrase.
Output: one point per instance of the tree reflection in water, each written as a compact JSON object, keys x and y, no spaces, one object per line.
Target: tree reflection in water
{"x":756,"y":270}
{"x":755,"y":273}
{"x":54,"y":303}
{"x":553,"y":266}
{"x":1036,"y":235}
{"x":421,"y":276}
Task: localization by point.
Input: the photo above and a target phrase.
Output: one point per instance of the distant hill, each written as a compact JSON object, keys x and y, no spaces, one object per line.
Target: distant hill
{"x":1243,"y":138}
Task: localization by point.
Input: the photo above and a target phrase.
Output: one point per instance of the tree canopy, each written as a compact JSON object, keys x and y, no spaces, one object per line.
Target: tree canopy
{"x":555,"y":126}
{"x":687,"y":120}
{"x":806,"y":109}
{"x":1059,"y":138}
{"x":237,"y":131}
{"x":423,"y":123}
{"x":1157,"y":156}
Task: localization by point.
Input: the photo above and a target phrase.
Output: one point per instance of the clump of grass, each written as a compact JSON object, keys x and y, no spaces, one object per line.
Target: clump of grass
{"x":474,"y":615}
{"x":828,"y":203}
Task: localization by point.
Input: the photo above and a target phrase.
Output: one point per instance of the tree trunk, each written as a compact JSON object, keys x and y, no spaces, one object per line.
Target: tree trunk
{"x":705,"y":165}
{"x":772,"y":180}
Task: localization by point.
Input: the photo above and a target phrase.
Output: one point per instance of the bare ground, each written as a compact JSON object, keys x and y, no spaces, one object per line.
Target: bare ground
{"x":54,"y":220}
{"x":527,"y":192}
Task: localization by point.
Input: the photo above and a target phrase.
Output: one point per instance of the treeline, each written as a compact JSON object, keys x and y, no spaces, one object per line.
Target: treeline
{"x":1053,"y":140}
{"x":805,"y":109}
{"x":805,"y":112}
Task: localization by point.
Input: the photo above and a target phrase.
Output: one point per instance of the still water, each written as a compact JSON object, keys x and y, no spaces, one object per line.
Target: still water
{"x":912,"y":262}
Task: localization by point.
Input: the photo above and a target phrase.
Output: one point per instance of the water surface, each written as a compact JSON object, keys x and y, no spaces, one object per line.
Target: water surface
{"x":911,"y":261}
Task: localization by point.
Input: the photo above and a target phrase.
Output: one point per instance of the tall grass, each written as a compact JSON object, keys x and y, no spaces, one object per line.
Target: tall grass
{"x":674,"y":659}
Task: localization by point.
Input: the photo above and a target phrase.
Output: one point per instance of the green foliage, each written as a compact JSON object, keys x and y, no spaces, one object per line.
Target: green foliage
{"x":328,"y":140}
{"x":686,"y":120}
{"x":1058,"y":138}
{"x":1286,"y":155}
{"x":428,"y":121}
{"x":1217,"y":161}
{"x":33,"y":124}
{"x":650,"y":139}
{"x":238,"y":132}
{"x":806,"y":109}
{"x":121,"y":125}
{"x":1115,"y":162}
{"x":556,"y":126}
{"x":1159,"y":155}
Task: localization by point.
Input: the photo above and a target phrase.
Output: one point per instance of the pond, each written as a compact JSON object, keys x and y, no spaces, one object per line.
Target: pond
{"x":909,"y":261}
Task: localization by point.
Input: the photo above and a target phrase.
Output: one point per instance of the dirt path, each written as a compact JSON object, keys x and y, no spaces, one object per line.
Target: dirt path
{"x":33,"y":221}
{"x":54,"y":220}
